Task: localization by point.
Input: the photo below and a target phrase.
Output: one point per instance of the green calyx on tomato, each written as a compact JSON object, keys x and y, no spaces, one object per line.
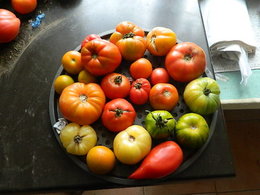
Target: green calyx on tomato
{"x":128,"y":35}
{"x":191,"y":130}
{"x":160,"y":124}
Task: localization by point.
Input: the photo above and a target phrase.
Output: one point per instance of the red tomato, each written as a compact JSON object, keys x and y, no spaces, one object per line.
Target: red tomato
{"x":159,"y":75}
{"x":129,"y":38}
{"x":9,"y":26}
{"x":118,"y":114}
{"x":82,"y":103}
{"x":160,"y":40}
{"x":24,"y":6}
{"x":89,"y":38}
{"x":115,"y":85}
{"x":185,"y":61}
{"x":139,"y":92}
{"x":100,"y":57}
{"x":141,"y":68}
{"x":163,"y":96}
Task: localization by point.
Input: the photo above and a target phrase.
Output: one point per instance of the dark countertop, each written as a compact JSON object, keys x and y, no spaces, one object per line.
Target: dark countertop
{"x":31,"y":158}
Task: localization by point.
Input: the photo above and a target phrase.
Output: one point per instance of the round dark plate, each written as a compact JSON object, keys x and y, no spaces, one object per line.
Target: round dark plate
{"x":120,"y":173}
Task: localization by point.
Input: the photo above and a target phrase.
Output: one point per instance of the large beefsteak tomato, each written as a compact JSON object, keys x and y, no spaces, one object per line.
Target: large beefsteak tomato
{"x":82,"y":103}
{"x":9,"y":26}
{"x":100,"y":57}
{"x":129,"y":38}
{"x":185,"y":61}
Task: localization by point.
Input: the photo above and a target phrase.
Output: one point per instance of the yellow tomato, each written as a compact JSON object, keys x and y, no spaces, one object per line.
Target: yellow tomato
{"x":71,"y":62}
{"x":61,"y":82}
{"x":86,"y":77}
{"x":78,"y":140}
{"x":132,"y":145}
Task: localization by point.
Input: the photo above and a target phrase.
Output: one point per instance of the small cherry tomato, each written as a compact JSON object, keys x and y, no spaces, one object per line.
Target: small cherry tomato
{"x":24,"y":6}
{"x":139,"y":92}
{"x":163,"y":96}
{"x":141,"y":68}
{"x":115,"y":85}
{"x":61,"y":82}
{"x":159,"y":75}
{"x":71,"y":62}
{"x":86,"y":77}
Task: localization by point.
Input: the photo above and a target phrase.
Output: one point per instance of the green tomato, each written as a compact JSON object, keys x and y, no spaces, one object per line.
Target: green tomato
{"x":159,"y":123}
{"x":191,"y":130}
{"x":202,"y":95}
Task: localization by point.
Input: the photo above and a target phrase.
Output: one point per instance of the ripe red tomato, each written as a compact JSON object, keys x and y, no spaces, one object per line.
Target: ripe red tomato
{"x":89,"y":38}
{"x":115,"y":85}
{"x":82,"y":103}
{"x":24,"y":6}
{"x":185,"y":61}
{"x":129,"y":38}
{"x":160,"y":40}
{"x":159,"y":75}
{"x":163,"y":96}
{"x":141,"y":68}
{"x":139,"y":92}
{"x":118,"y":114}
{"x":9,"y":26}
{"x":100,"y":57}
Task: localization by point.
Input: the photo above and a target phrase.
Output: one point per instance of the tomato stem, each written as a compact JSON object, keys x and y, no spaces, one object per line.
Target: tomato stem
{"x":118,"y":112}
{"x":118,"y":80}
{"x":138,"y":85}
{"x":187,"y":57}
{"x":128,"y":35}
{"x":77,"y":139}
{"x":83,"y":98}
{"x":206,"y":91}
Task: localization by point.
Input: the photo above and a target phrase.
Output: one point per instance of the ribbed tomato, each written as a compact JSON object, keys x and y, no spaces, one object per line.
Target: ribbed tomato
{"x":129,"y":38}
{"x":82,"y":103}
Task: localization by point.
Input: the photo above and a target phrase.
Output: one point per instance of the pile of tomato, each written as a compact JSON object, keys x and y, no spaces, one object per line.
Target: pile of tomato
{"x":101,"y":92}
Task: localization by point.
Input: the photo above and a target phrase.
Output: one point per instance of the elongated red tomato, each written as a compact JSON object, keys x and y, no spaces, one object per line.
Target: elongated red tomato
{"x":163,"y":160}
{"x":82,"y":103}
{"x":100,"y":57}
{"x":9,"y":26}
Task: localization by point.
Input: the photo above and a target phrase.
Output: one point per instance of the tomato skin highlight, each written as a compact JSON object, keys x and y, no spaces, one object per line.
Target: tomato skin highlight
{"x":118,"y":114}
{"x":9,"y":26}
{"x":162,"y":160}
{"x":185,"y":61}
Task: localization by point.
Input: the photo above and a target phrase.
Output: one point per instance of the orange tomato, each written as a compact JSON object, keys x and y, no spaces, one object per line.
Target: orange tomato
{"x":24,"y":6}
{"x":160,"y":40}
{"x":82,"y":103}
{"x":61,"y":82}
{"x":71,"y":62}
{"x":163,"y":96}
{"x":100,"y":160}
{"x":141,"y":68}
{"x":130,"y":40}
{"x":86,"y":77}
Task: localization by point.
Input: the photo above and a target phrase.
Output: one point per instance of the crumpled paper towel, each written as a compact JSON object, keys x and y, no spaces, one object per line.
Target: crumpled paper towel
{"x":229,"y":32}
